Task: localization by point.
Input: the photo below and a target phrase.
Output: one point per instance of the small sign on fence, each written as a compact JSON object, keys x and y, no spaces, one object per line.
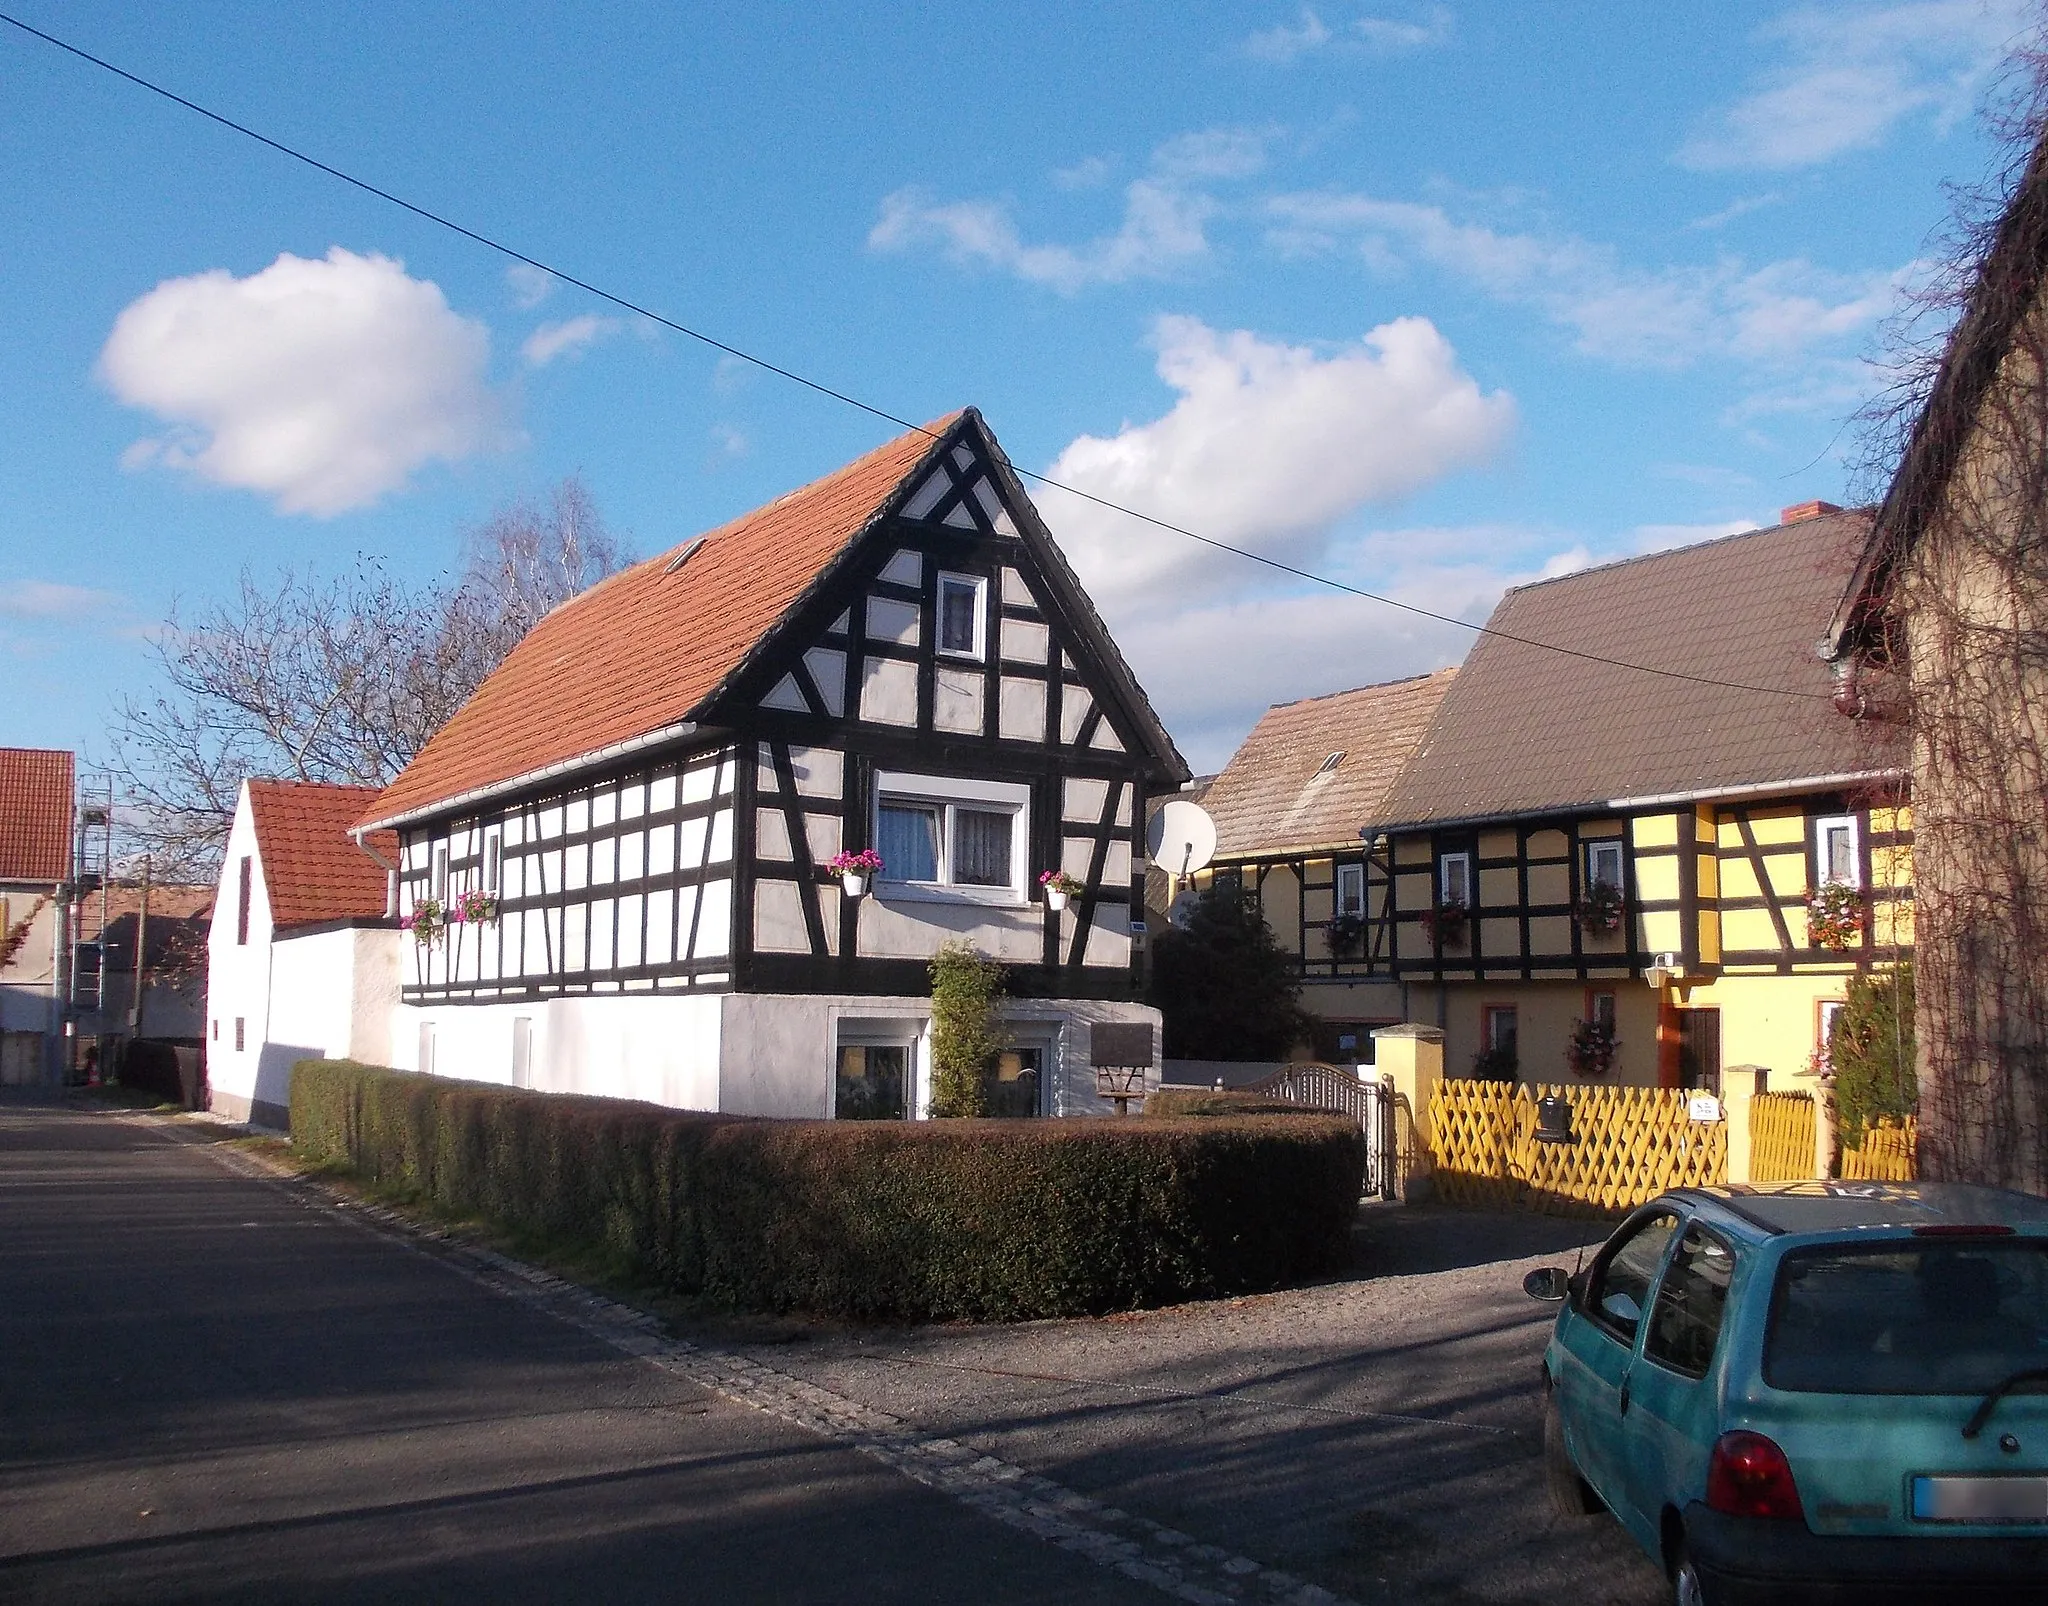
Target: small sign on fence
{"x":1703,"y":1107}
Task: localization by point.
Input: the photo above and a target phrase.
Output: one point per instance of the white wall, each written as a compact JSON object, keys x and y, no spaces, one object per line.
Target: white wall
{"x":300,"y":995}
{"x":29,"y":1012}
{"x":743,"y":1053}
{"x":662,"y":1050}
{"x":237,"y":978}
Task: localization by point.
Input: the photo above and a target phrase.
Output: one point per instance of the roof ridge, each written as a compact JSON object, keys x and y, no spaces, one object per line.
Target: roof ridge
{"x":1690,"y":546}
{"x":1371,"y":685}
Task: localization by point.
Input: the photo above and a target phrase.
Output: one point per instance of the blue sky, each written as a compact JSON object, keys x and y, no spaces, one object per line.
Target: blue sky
{"x":1434,"y":298}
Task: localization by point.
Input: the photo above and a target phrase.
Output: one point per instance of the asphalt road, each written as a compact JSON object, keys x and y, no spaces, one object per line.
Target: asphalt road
{"x":209,"y":1391}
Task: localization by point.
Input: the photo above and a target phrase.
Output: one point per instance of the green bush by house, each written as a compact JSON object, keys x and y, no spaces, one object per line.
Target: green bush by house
{"x":984,"y":1220}
{"x":1202,"y":1101}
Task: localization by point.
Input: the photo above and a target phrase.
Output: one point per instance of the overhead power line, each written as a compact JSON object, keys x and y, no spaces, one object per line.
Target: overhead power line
{"x":625,"y":304}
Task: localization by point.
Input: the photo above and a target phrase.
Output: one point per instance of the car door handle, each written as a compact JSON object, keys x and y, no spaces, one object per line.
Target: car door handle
{"x":1624,"y":1398}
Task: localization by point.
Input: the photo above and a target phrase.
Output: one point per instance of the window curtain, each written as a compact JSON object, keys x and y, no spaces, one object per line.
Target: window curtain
{"x":981,"y":848}
{"x":909,"y":843}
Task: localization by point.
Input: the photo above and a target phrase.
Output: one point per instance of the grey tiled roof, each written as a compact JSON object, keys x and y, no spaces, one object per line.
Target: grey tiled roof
{"x":1274,"y":795}
{"x":1524,"y":729}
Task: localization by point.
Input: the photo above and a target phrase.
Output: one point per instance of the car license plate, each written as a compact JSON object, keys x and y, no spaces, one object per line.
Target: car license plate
{"x":1981,"y":1500}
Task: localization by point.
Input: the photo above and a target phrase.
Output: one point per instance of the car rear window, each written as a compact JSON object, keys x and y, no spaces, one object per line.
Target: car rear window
{"x":1907,"y":1318}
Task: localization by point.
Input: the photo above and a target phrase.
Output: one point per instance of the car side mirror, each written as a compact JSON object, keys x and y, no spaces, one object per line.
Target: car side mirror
{"x":1547,"y":1283}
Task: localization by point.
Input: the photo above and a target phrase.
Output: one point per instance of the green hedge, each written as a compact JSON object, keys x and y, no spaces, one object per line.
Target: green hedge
{"x":1202,"y":1101}
{"x":983,"y":1220}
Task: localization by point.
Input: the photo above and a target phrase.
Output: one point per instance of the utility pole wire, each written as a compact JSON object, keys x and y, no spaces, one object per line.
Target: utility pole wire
{"x":869,"y":408}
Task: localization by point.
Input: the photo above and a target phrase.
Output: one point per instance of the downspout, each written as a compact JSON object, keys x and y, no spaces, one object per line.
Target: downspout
{"x":390,"y":872}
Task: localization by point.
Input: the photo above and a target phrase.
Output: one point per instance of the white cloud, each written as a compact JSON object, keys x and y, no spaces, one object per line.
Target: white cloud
{"x":322,"y":384}
{"x":1088,"y":173}
{"x":50,"y":599}
{"x":569,"y":338}
{"x":729,"y":443}
{"x":530,"y":286}
{"x":1658,"y":318}
{"x":1267,"y":447}
{"x":1286,"y":42}
{"x":1386,"y":34}
{"x":1847,"y":76}
{"x":1163,"y":227}
{"x":1740,"y":207}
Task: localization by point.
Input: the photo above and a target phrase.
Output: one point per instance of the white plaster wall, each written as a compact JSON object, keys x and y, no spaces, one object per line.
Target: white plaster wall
{"x":25,"y":996}
{"x":658,"y":1050}
{"x":237,"y":975}
{"x":375,"y":993}
{"x":780,"y":1050}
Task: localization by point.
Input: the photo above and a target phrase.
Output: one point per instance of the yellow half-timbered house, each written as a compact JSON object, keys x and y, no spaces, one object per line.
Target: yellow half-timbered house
{"x":1602,"y":873}
{"x":1291,"y":808}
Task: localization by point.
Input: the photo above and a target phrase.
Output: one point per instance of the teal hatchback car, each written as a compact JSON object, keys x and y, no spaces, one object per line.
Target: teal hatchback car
{"x":1814,"y":1391}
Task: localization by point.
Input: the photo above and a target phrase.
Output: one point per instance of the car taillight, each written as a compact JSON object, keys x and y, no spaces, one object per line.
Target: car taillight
{"x":1750,"y":1477}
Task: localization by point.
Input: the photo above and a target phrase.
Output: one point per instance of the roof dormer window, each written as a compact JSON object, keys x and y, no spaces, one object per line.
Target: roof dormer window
{"x":1331,"y":762}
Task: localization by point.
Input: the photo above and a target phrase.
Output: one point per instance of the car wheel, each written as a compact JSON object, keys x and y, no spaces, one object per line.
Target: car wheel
{"x":1688,"y":1587}
{"x":1570,"y":1494}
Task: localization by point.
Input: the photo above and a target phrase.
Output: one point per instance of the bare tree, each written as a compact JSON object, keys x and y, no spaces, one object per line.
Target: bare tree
{"x":339,"y":679}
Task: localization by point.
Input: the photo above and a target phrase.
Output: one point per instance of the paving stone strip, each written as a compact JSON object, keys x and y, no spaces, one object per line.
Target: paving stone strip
{"x":1168,"y":1560}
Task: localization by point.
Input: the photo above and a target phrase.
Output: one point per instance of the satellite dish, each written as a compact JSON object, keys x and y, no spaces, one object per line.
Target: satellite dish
{"x":1181,"y":838}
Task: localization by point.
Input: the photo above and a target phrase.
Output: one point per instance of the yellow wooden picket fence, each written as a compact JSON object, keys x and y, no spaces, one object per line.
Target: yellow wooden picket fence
{"x":1890,"y":1153}
{"x":1781,"y":1137}
{"x":1632,"y":1144}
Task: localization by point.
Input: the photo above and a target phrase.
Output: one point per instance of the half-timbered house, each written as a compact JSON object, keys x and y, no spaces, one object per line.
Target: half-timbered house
{"x":1291,"y":809}
{"x":638,"y":812}
{"x":1584,"y":853}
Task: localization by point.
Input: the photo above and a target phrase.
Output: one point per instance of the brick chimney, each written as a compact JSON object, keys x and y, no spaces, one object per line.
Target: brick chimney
{"x":1800,"y":511}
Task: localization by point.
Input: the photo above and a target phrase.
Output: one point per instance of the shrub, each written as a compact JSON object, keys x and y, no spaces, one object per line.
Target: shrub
{"x":1199,"y":1101}
{"x":976,"y":1219}
{"x":967,"y":990}
{"x":1871,"y":1052}
{"x":1223,"y":983}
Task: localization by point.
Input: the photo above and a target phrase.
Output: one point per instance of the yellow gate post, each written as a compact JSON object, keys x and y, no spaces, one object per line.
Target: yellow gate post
{"x":1412,"y":1057}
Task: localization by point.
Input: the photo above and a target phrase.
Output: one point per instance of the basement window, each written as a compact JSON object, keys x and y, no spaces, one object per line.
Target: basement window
{"x":962,"y":614}
{"x":949,"y":838}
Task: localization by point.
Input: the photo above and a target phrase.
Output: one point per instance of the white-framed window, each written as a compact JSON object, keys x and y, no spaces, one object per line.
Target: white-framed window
{"x":437,"y":882}
{"x":1350,"y":889}
{"x":1454,"y":880}
{"x":943,"y":836}
{"x":1836,"y":850}
{"x":1603,"y":864}
{"x":1828,"y":1012}
{"x":522,"y":1051}
{"x":494,"y":861}
{"x":241,"y":1035}
{"x":963,"y":615}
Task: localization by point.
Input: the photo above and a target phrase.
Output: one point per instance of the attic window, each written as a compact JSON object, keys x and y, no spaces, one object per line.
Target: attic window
{"x":962,"y":608}
{"x":1330,"y":763}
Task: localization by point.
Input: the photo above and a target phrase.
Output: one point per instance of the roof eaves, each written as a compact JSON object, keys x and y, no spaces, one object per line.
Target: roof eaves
{"x":1620,"y":805}
{"x":547,"y":772}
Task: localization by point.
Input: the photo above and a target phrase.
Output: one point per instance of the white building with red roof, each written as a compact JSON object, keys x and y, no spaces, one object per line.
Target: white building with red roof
{"x":35,"y":871}
{"x":642,"y":807}
{"x":302,"y":956}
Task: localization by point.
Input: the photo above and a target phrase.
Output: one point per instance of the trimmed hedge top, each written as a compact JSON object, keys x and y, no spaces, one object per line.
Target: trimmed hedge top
{"x":984,"y":1220}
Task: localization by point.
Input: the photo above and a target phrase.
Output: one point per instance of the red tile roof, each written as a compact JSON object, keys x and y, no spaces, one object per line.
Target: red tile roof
{"x":35,"y":814}
{"x":1276,"y":795}
{"x":312,"y":870}
{"x":642,"y":651}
